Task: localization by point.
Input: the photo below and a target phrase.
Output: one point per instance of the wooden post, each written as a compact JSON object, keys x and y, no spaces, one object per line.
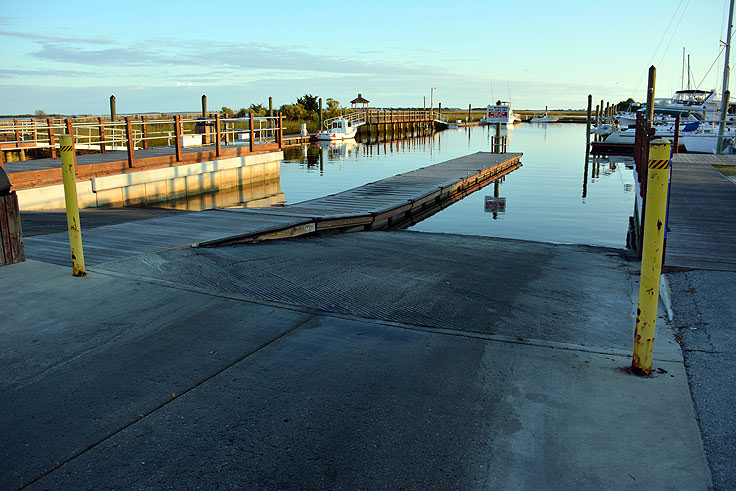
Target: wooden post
{"x":177,"y":136}
{"x":129,"y":138}
{"x":11,"y":235}
{"x":218,"y":149}
{"x":320,"y":114}
{"x":17,"y":132}
{"x":52,"y":140}
{"x":270,"y":107}
{"x":101,"y":122}
{"x":469,"y":107}
{"x":113,"y":109}
{"x":676,"y":141}
{"x":587,"y":128}
{"x":650,"y":96}
{"x":281,"y":130}
{"x":145,"y":132}
{"x":204,"y":106}
{"x":252,"y":131}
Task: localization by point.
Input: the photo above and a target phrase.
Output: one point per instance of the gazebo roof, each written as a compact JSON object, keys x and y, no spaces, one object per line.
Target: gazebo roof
{"x":359,"y":100}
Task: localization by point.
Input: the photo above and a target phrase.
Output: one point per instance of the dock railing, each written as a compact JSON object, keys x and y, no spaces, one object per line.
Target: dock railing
{"x":374,"y":115}
{"x":130,"y":133}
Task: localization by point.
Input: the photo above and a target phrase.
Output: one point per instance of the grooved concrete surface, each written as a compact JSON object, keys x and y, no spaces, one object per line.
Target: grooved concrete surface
{"x":143,"y":375}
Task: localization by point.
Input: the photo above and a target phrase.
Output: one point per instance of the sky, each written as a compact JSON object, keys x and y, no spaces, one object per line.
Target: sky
{"x":162,"y":56}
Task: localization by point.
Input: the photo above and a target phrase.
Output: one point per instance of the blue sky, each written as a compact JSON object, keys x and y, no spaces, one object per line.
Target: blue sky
{"x":69,"y":57}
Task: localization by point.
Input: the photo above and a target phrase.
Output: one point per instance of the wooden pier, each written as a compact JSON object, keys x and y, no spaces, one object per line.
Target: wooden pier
{"x":105,"y":147}
{"x":392,"y":203}
{"x":701,"y":223}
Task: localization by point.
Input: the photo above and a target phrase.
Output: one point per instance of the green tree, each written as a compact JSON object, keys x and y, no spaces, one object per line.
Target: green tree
{"x":333,"y":108}
{"x":309,"y":102}
{"x":625,"y":105}
{"x":228,"y":112}
{"x":294,"y":112}
{"x":258,"y":109}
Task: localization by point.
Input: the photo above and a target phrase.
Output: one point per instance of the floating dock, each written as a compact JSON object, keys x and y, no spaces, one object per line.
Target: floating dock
{"x":392,"y":203}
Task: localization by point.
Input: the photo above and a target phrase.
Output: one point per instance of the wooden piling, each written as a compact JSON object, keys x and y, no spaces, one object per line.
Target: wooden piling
{"x":650,"y":95}
{"x":177,"y":136}
{"x":129,"y":139}
{"x":587,"y":129}
{"x":218,"y":147}
{"x":252,"y":131}
{"x":52,"y":143}
{"x":113,"y":109}
{"x":11,"y":235}
{"x":320,"y":114}
{"x":204,"y":106}
{"x":144,"y":128}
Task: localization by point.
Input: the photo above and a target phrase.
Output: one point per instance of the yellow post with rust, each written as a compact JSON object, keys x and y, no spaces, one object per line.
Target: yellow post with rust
{"x":72,"y":206}
{"x":655,"y":212}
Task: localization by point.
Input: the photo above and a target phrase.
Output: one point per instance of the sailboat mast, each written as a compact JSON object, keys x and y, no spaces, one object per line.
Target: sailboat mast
{"x":724,"y":91}
{"x":682,"y":72}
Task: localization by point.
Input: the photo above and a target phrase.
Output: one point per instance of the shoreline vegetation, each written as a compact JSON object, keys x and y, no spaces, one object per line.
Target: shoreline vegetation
{"x":305,"y":110}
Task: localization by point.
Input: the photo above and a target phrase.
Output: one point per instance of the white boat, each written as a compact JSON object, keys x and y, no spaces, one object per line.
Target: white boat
{"x":502,"y":113}
{"x":340,"y":129}
{"x":661,"y":131}
{"x":706,"y":138}
{"x":544,"y":119}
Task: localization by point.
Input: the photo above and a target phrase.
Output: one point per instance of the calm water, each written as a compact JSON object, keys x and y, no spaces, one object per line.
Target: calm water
{"x":544,"y":198}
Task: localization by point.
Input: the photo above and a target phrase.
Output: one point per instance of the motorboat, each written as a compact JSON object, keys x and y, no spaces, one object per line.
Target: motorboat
{"x":667,"y":130}
{"x":340,"y":129}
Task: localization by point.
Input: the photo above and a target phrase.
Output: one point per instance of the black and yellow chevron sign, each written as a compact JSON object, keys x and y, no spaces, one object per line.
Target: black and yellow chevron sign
{"x":68,"y":148}
{"x":659,"y":164}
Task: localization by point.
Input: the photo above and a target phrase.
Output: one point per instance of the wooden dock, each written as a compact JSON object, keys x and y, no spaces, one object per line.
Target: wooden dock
{"x":392,"y":203}
{"x":702,"y":223}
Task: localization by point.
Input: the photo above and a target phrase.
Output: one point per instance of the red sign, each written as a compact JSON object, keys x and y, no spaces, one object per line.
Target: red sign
{"x":495,"y":204}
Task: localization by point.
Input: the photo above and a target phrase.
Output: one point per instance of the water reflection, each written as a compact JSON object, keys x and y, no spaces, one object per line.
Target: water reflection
{"x":238,"y":193}
{"x":543,"y":197}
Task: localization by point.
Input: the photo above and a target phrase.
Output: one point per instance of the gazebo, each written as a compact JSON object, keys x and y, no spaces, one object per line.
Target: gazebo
{"x":359,"y":100}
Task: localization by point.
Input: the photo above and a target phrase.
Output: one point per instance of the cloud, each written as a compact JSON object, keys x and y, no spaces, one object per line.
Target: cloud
{"x":9,"y":72}
{"x":41,"y":37}
{"x":195,"y":56}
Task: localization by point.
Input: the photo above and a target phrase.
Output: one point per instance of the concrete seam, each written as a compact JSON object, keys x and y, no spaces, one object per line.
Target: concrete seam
{"x":165,"y":403}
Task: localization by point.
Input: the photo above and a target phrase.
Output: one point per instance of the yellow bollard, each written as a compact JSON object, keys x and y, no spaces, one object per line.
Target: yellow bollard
{"x":651,"y":256}
{"x":72,"y":206}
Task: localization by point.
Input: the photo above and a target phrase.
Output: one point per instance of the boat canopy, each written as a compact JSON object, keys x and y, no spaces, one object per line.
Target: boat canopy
{"x":692,"y":96}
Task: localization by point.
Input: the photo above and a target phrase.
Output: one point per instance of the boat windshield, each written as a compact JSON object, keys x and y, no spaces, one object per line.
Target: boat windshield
{"x":691,"y":97}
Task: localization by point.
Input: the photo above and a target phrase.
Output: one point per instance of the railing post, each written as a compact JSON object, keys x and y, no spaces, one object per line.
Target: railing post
{"x":101,"y":122}
{"x":177,"y":136}
{"x":145,"y":132}
{"x":218,"y":148}
{"x":129,"y":138}
{"x":651,"y":258}
{"x":17,"y":132}
{"x":252,"y":131}
{"x":676,"y":142}
{"x":52,"y":142}
{"x":281,"y":130}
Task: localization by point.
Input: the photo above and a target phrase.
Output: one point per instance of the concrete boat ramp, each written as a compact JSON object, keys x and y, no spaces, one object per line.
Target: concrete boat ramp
{"x":376,"y":359}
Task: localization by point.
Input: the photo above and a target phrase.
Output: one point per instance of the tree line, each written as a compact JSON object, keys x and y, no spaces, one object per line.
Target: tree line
{"x":306,"y":108}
